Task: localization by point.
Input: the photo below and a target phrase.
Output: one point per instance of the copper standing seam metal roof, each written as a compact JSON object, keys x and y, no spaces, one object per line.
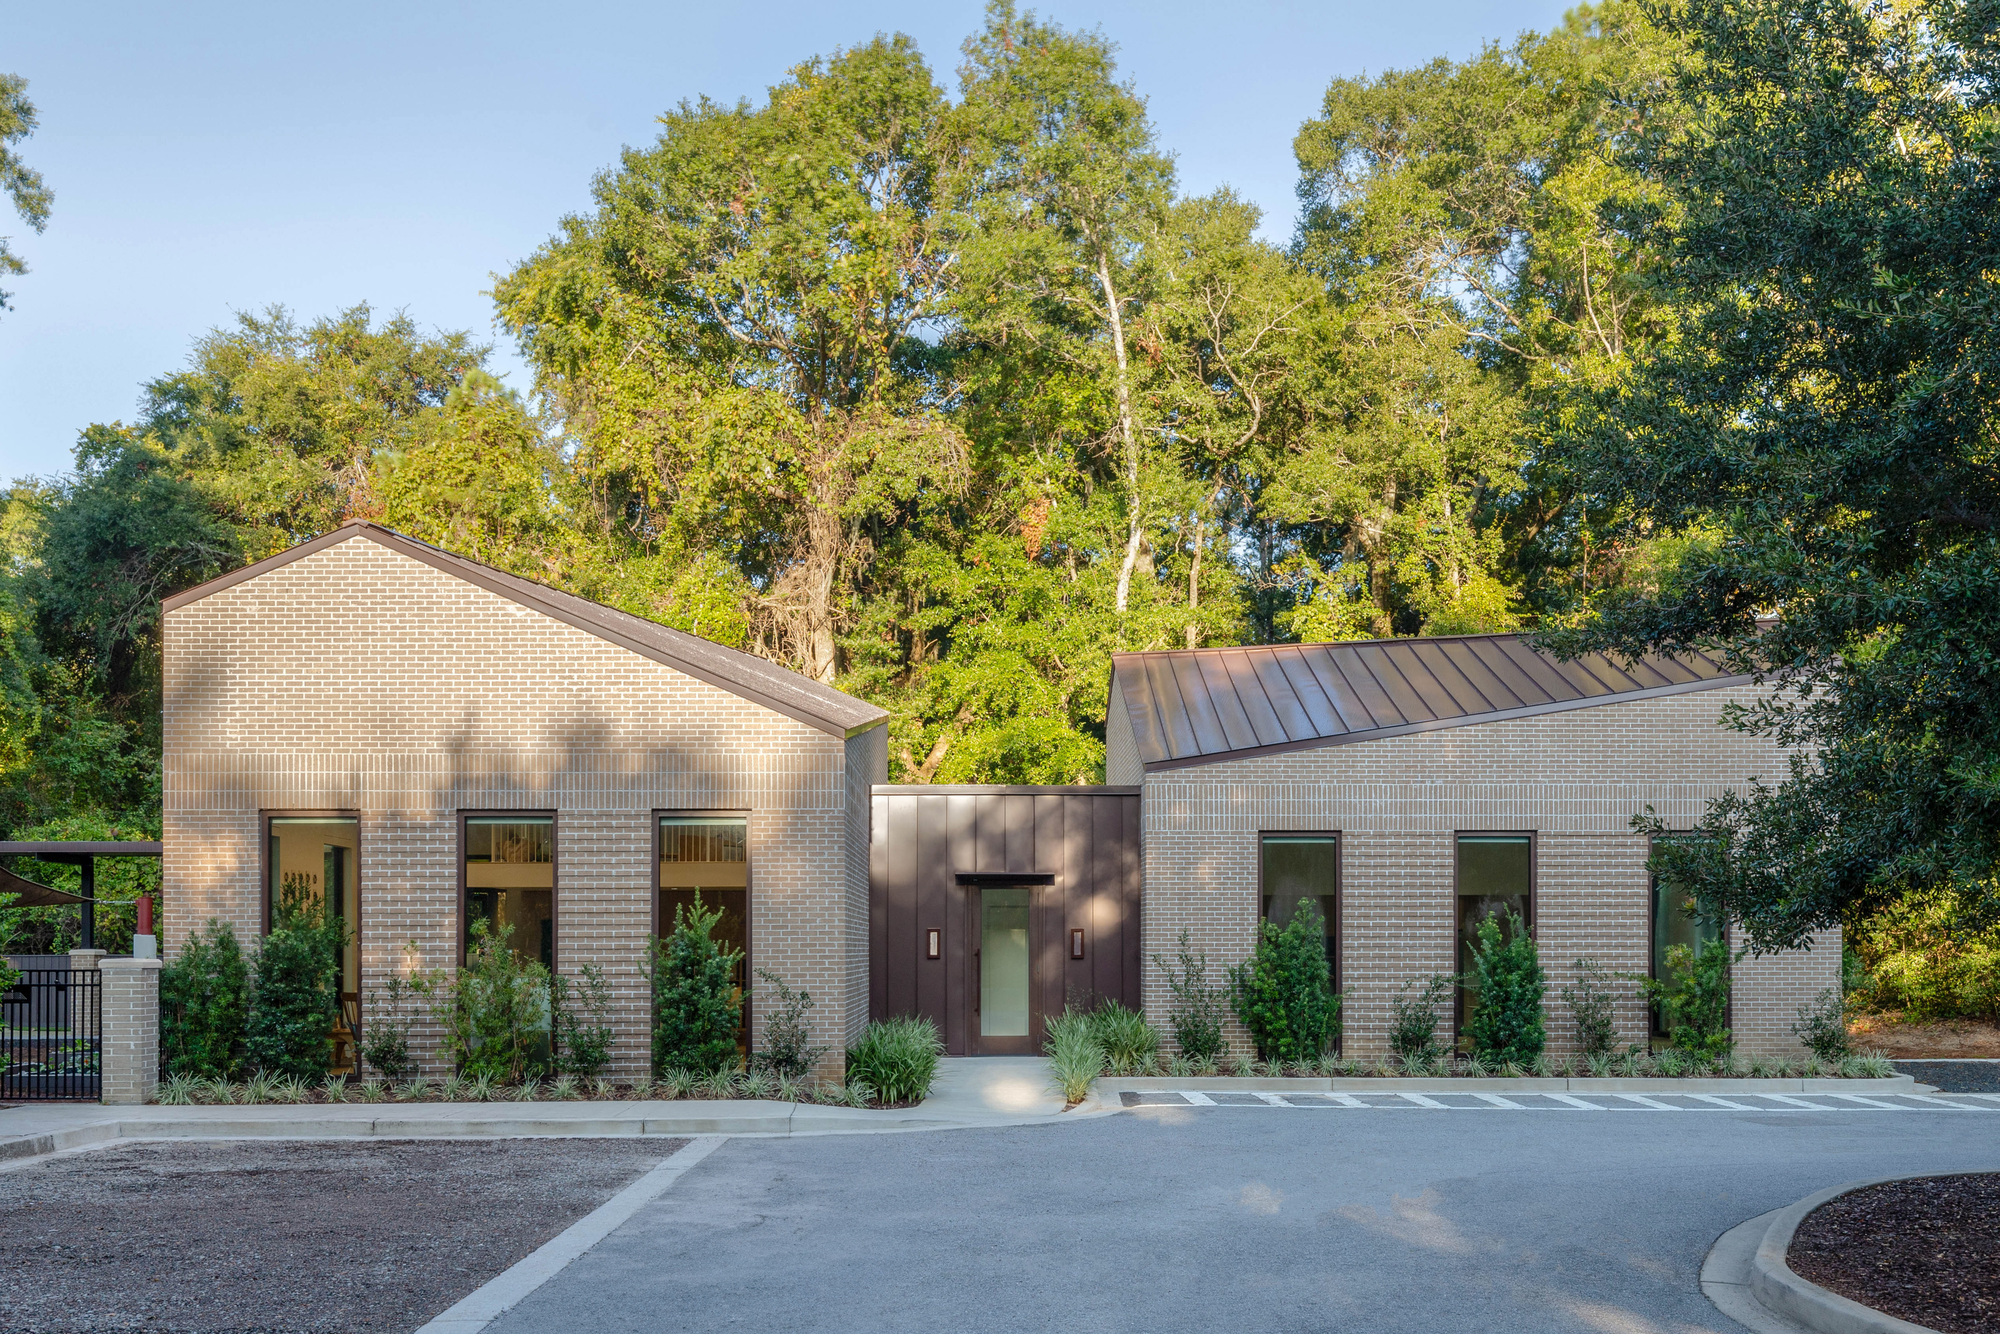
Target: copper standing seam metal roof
{"x":1197,"y":706}
{"x":741,"y":674}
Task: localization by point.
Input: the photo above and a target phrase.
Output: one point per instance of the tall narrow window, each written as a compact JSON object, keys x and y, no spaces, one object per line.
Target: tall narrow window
{"x":1496,"y":876}
{"x":1299,"y":869}
{"x":1676,"y":921}
{"x":315,"y":860}
{"x":510,"y":882}
{"x":707,"y":855}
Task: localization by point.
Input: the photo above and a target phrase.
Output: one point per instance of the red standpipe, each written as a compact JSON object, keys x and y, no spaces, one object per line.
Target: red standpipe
{"x":145,"y":915}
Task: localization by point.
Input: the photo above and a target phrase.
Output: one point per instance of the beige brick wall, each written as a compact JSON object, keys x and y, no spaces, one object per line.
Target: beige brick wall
{"x":1574,"y":779}
{"x":357,"y":679}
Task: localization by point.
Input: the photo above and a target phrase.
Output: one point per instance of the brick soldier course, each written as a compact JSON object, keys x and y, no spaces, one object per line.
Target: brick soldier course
{"x":368,"y":675}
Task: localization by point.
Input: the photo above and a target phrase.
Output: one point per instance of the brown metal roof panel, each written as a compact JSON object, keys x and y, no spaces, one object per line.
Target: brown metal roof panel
{"x":1254,"y":694}
{"x":1134,"y":695}
{"x":1469,"y":698}
{"x":1602,"y":670}
{"x":1176,"y":718}
{"x":1492,"y":653}
{"x":1294,"y":719}
{"x":1322,"y":714}
{"x":1490,"y":684}
{"x":1363,"y":703}
{"x":1544,"y":671}
{"x":1411,"y":702}
{"x":1202,"y":676}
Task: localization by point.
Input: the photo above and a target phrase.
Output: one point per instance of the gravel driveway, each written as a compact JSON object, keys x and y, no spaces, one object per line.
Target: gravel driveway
{"x":286,"y":1236}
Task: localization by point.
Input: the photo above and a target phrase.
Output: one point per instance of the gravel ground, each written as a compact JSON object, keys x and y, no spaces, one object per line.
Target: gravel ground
{"x":286,"y":1237}
{"x":1926,"y":1251}
{"x":1955,"y":1076}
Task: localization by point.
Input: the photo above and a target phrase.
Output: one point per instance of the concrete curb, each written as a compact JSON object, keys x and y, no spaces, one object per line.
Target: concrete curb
{"x":506,"y":1290}
{"x":1746,"y":1277}
{"x":1398,"y":1084}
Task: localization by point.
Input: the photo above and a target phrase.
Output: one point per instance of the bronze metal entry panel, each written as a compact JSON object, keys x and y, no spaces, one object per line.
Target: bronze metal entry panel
{"x":981,"y":898}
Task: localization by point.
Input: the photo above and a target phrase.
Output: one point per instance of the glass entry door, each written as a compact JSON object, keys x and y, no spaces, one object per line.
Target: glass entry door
{"x":1003,"y":1018}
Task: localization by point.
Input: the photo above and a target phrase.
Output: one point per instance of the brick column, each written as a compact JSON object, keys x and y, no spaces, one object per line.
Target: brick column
{"x":130,"y":1047}
{"x":82,"y":1022}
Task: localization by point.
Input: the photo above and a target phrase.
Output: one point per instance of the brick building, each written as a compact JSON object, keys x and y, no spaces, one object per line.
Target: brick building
{"x":437,"y":748}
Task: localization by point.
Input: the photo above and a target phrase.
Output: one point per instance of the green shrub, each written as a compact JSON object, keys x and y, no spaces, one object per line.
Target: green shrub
{"x":1822,"y":1026}
{"x":582,"y":1022}
{"x":1592,"y":1008}
{"x":697,"y":1006}
{"x":1284,"y":993}
{"x":1125,"y":1037}
{"x":1506,"y":1019}
{"x":1198,"y":1009}
{"x":205,"y":1005}
{"x":1414,"y":1022}
{"x":789,"y":1051}
{"x":495,"y":1010}
{"x":1694,"y":998}
{"x":1932,"y":956}
{"x":387,"y":1044}
{"x":295,"y":1001}
{"x":897,"y":1059}
{"x":1076,"y":1058}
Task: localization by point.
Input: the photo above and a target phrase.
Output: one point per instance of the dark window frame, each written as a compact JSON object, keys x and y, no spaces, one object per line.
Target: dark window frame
{"x":1534,"y":837}
{"x":749,"y":894}
{"x":1339,"y":885}
{"x":555,"y":876}
{"x":264,"y":819}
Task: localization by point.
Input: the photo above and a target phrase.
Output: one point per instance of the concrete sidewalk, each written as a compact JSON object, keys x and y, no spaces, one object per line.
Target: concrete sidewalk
{"x":968,"y":1093}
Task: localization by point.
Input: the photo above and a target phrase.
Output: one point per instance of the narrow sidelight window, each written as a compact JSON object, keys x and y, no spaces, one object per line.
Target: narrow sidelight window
{"x":1300,"y":868}
{"x":1675,"y":922}
{"x":510,"y":882}
{"x":1496,"y":875}
{"x":316,"y":859}
{"x":709,"y":855}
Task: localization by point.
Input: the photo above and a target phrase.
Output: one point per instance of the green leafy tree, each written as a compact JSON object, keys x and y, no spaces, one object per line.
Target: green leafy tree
{"x":295,"y":1001}
{"x":205,"y":1005}
{"x":22,"y":183}
{"x":1507,"y":986}
{"x":496,"y":1010}
{"x":1283,"y":994}
{"x":697,"y":1006}
{"x":1822,"y":420}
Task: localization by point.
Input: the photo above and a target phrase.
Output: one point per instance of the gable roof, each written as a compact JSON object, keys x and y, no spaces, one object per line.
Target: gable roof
{"x":742,"y":674}
{"x":1199,"y":706}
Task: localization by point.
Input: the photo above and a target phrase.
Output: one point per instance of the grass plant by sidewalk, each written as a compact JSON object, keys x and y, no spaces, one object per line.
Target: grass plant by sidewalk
{"x":674,"y":1085}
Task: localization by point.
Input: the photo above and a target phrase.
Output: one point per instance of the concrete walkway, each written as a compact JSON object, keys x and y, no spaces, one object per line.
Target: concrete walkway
{"x":968,"y":1093}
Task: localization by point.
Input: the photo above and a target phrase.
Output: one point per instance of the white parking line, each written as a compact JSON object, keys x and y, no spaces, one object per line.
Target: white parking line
{"x":1740,"y":1102}
{"x":1870,"y":1102}
{"x":1199,"y":1099}
{"x":1274,"y":1099}
{"x":1645,"y":1101}
{"x":1499,"y":1101}
{"x":1579,"y":1103}
{"x":1421,"y":1101}
{"x":1724,"y":1102}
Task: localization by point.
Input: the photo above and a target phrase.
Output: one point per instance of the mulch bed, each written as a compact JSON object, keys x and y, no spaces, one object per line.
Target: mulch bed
{"x":287,"y":1237}
{"x":1926,"y":1251}
{"x":1954,"y":1076}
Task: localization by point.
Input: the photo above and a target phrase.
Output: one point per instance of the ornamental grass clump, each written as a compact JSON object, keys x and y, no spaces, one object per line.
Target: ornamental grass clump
{"x":1129,"y":1043}
{"x":697,"y":1004}
{"x":897,"y":1059}
{"x":1075,"y":1057}
{"x":1507,"y":984}
{"x":1283,"y":994}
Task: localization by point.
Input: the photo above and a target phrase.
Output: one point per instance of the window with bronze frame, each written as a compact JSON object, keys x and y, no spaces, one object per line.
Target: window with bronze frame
{"x":1675,"y":921}
{"x":1293,"y":868}
{"x":508,"y":879}
{"x":707,"y":853}
{"x":319,"y":852}
{"x":1493,"y":874}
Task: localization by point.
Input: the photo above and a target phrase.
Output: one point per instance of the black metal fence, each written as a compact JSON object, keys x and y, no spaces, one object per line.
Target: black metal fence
{"x":51,"y":1030}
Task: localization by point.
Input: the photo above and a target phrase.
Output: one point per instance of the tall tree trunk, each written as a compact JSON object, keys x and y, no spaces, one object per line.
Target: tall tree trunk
{"x":1194,"y":588}
{"x":824,"y":546}
{"x":1135,"y":537}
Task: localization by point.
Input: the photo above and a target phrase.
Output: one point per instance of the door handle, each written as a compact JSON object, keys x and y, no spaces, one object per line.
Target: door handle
{"x":976,"y":965}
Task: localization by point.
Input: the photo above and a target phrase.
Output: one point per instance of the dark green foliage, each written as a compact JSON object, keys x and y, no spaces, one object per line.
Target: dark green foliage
{"x":386,"y":1045}
{"x":296,"y":998}
{"x":697,"y":1006}
{"x":582,"y":1022}
{"x":205,"y":1005}
{"x":1508,"y":985}
{"x":1413,"y":1030}
{"x":1592,"y":1008}
{"x":1284,"y":993}
{"x":1820,"y":432}
{"x":1123,"y":1035}
{"x":1693,"y":998}
{"x":494,"y":1010}
{"x":1822,"y":1026}
{"x":1198,"y":1009}
{"x":1913,"y":959}
{"x":789,"y":1051}
{"x":896,"y":1060}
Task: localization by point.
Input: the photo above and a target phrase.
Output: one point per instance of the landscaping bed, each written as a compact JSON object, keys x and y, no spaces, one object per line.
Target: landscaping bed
{"x":1925,"y":1250}
{"x":178,"y":1091}
{"x":1945,"y":1039}
{"x":248,"y":1236}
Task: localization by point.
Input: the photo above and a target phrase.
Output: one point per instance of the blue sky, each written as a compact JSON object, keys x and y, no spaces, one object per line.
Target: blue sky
{"x":210,"y":158}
